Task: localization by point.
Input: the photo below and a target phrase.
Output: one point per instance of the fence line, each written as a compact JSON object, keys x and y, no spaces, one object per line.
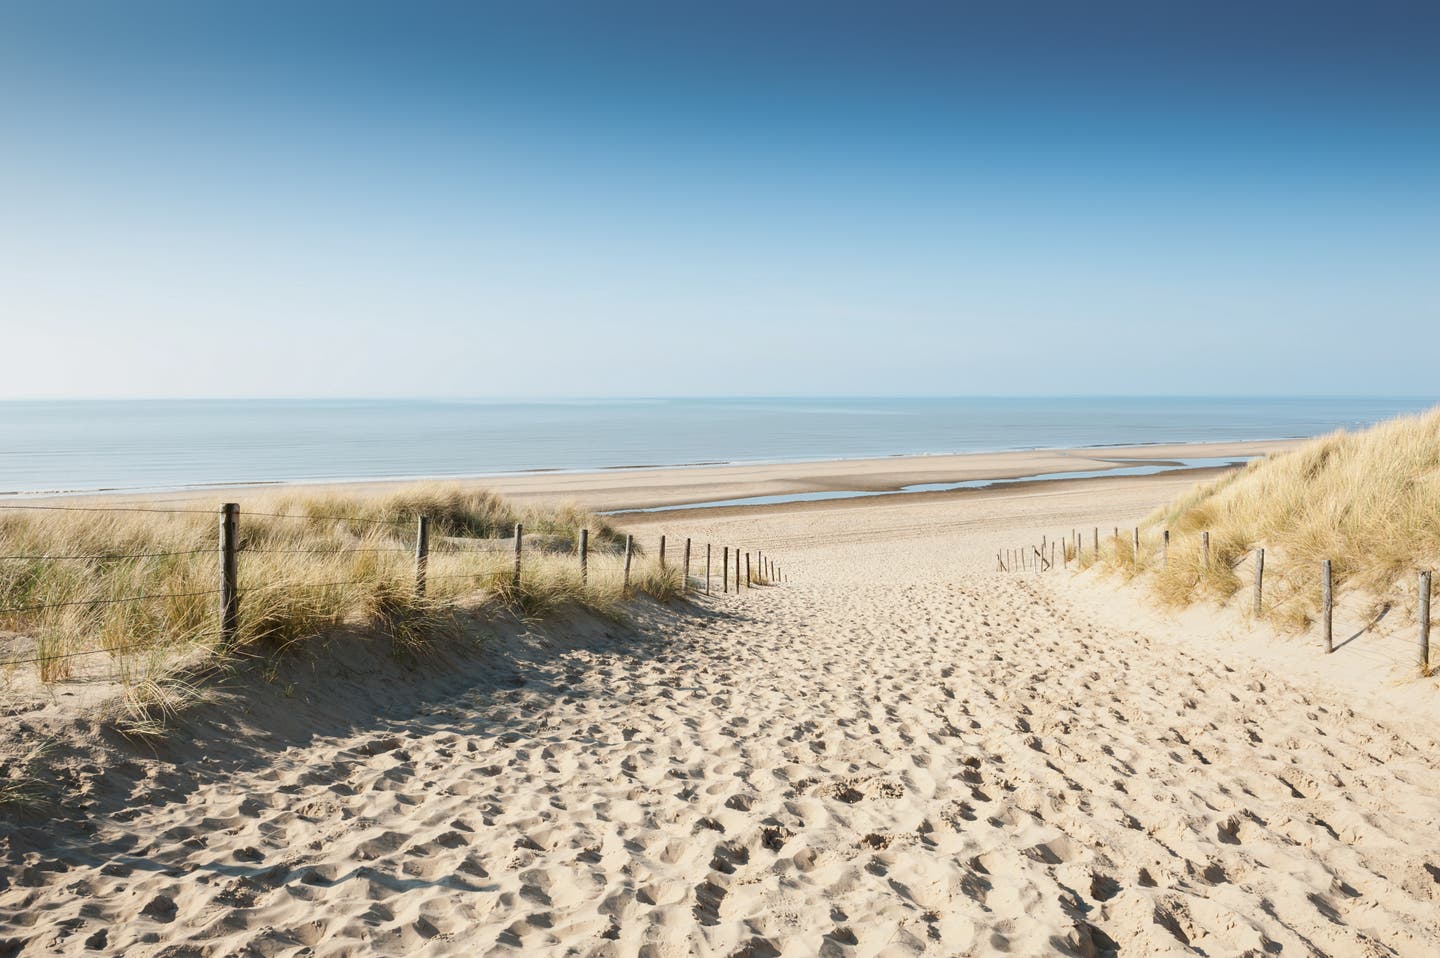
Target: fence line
{"x":1013,"y":560}
{"x":230,"y":550}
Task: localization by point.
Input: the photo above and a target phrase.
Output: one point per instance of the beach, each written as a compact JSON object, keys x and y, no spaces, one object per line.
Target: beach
{"x":901,"y":749}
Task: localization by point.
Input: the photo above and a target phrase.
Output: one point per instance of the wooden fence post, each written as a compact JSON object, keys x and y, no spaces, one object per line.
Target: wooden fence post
{"x":662,"y":552}
{"x":422,"y":553}
{"x":1424,"y":616}
{"x":685,"y":581}
{"x":725,"y":570}
{"x":229,"y":594}
{"x":1205,"y":552}
{"x":519,"y":538}
{"x":707,"y":568}
{"x":629,"y":551}
{"x":737,"y":569}
{"x":749,"y":578}
{"x":1137,"y":548}
{"x":1327,"y":605}
{"x":1165,"y":550}
{"x":1259,"y":578}
{"x":1097,"y":542}
{"x":584,"y":554}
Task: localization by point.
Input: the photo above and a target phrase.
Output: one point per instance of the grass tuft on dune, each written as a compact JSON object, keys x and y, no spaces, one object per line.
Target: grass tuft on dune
{"x":1368,"y":501}
{"x":308,"y":565}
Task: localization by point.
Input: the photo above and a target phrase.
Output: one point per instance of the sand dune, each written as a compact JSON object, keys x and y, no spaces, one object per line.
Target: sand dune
{"x":901,"y":752}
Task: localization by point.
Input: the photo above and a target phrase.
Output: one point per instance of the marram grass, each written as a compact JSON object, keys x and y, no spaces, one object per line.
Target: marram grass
{"x":1368,"y":501}
{"x":299,"y":578}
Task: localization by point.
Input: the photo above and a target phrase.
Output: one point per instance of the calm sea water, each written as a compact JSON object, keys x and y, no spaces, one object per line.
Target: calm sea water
{"x":92,"y":445}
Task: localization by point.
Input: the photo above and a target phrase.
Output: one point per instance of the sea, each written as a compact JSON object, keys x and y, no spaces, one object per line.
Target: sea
{"x":50,"y":447}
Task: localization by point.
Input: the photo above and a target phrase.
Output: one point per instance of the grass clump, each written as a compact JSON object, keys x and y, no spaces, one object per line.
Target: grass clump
{"x":1369,"y":501}
{"x":307,"y":565}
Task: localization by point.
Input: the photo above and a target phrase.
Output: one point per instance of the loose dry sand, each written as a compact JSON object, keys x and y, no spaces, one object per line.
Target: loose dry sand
{"x":902,"y":751}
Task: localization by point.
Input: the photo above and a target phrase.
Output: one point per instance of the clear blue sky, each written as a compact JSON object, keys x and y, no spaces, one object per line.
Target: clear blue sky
{"x":356,"y":199}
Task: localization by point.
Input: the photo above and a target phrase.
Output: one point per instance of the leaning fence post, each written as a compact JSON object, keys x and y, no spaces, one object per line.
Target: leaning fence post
{"x":519,"y":538}
{"x":629,"y":547}
{"x":1424,"y":617}
{"x":422,"y":553}
{"x":707,"y":568}
{"x":685,"y":580}
{"x":229,"y":594}
{"x":1259,"y":577}
{"x":584,"y":554}
{"x":1327,"y":605}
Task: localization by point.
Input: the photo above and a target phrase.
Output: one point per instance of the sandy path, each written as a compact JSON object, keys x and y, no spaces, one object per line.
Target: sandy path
{"x":902,"y":752}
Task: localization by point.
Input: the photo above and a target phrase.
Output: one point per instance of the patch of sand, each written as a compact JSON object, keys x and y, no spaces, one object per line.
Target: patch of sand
{"x":903,"y":751}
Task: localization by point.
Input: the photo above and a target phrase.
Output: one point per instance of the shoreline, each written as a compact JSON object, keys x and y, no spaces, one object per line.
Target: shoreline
{"x":540,"y":471}
{"x":635,"y":488}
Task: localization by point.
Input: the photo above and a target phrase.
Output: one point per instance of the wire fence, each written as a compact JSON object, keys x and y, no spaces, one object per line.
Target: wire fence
{"x":1140,"y":553}
{"x":750,"y":568}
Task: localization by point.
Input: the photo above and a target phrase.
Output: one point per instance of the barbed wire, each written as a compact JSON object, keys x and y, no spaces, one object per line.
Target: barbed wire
{"x":314,"y":552}
{"x":116,"y":601}
{"x":168,"y":512}
{"x":361,"y":519}
{"x":106,"y":557}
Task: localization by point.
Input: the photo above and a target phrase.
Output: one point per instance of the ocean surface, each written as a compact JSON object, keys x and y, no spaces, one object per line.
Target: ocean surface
{"x":85,"y":446}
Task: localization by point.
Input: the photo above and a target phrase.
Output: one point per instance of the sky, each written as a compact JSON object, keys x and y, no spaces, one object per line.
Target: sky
{"x":527,"y":199}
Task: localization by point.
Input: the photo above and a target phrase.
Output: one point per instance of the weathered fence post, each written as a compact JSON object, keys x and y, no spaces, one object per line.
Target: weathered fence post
{"x":662,"y":552}
{"x":1259,"y":578}
{"x":749,"y":577}
{"x":725,"y":570}
{"x":737,"y":569}
{"x":1327,"y":605}
{"x":584,"y":554}
{"x":685,"y":581}
{"x":1137,"y":548}
{"x":629,"y":551}
{"x":422,"y":553}
{"x":1205,"y":552}
{"x":519,"y":538}
{"x":707,"y":568}
{"x":229,"y":594}
{"x":1165,"y":549}
{"x":1424,"y":616}
{"x":1097,"y":542}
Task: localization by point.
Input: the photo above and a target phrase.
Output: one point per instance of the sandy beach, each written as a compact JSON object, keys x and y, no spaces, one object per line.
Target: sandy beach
{"x":902,"y":750}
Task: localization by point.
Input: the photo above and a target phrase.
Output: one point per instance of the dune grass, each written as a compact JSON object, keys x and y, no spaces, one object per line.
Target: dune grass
{"x":1368,"y":501}
{"x":307,"y":566}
